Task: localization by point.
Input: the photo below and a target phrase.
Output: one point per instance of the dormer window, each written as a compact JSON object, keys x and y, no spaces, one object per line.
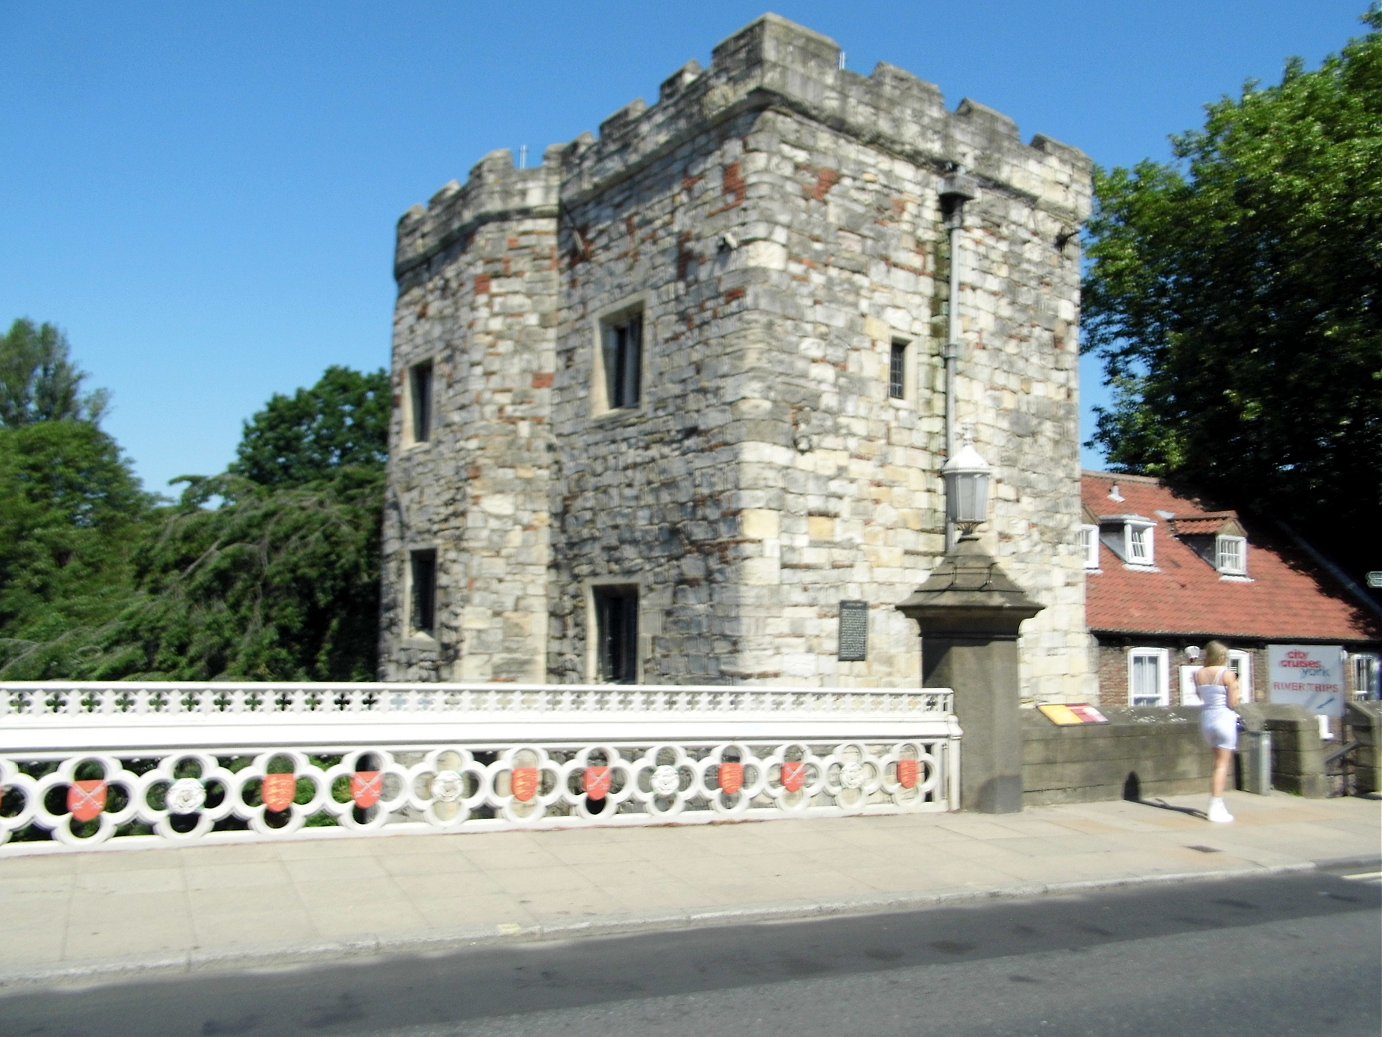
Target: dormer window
{"x":1216,"y":537}
{"x":1129,"y":537}
{"x":1138,"y":542}
{"x":1089,"y":545}
{"x":1230,"y":555}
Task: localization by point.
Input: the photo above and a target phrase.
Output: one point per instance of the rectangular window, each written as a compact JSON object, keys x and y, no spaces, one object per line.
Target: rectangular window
{"x":621,"y":360}
{"x":422,"y":592}
{"x":1089,"y":545}
{"x":1230,"y":554}
{"x":616,"y":634}
{"x":1367,"y":684}
{"x":418,"y":421}
{"x":1148,"y":677}
{"x":1139,"y":543}
{"x":897,"y":371}
{"x":1241,"y":665}
{"x":1189,"y":694}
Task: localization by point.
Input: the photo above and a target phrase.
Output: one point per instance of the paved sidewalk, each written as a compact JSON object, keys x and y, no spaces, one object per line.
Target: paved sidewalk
{"x":91,"y":917}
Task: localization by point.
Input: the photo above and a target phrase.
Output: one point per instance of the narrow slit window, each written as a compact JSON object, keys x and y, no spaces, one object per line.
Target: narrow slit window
{"x":422,"y":592}
{"x":897,"y":371}
{"x":622,"y":360}
{"x":616,"y":634}
{"x":420,"y":402}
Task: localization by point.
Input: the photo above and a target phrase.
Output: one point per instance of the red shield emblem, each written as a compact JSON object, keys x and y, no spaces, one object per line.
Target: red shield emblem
{"x":86,"y":799}
{"x":279,"y":791}
{"x":907,"y":773}
{"x":731,"y":778}
{"x":525,"y":782}
{"x":598,"y":782}
{"x":366,"y":787}
{"x":794,"y":776}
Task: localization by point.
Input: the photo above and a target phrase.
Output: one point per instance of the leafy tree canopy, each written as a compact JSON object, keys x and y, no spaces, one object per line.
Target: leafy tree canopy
{"x":1235,"y":298}
{"x":269,"y":578}
{"x":38,"y":381}
{"x":278,"y":583}
{"x":70,"y":510}
{"x":341,"y":421}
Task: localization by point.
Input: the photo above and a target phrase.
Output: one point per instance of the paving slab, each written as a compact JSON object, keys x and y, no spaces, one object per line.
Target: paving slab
{"x":98,"y":915}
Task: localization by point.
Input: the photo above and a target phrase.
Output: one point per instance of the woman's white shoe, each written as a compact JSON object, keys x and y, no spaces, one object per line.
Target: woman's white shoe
{"x":1218,"y":813}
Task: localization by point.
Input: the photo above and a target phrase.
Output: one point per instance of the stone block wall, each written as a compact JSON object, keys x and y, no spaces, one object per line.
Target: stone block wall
{"x":1298,"y":763}
{"x":1149,"y":752}
{"x":477,"y":298}
{"x":1363,"y":724}
{"x":776,"y":220}
{"x":1139,"y":754}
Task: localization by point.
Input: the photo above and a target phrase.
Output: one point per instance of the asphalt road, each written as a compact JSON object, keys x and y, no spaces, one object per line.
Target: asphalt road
{"x":1289,"y":954}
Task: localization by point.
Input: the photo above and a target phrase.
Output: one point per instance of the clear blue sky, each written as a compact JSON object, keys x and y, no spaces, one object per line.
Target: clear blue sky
{"x":203,"y":195}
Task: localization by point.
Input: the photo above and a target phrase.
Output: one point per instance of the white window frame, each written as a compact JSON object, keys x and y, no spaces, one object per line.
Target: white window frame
{"x":1239,"y":662}
{"x":1160,"y":658}
{"x":1089,"y":545}
{"x":1189,"y":695}
{"x":1231,"y":555}
{"x":1138,"y":545}
{"x":1367,"y":675}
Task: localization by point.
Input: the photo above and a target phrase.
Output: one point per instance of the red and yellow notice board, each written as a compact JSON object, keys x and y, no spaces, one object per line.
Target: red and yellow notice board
{"x":1064,"y":715}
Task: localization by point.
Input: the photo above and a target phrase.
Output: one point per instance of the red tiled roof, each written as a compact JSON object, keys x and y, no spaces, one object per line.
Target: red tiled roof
{"x":1284,"y":597}
{"x":1201,"y":525}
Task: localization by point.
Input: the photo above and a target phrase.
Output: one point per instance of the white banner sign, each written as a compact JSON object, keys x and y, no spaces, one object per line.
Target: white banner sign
{"x":1308,"y":675}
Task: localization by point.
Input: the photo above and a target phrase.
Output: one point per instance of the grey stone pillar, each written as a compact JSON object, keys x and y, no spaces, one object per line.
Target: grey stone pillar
{"x":969,"y":612}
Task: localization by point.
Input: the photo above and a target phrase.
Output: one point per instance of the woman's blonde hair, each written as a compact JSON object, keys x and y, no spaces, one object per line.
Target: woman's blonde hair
{"x":1216,"y":654}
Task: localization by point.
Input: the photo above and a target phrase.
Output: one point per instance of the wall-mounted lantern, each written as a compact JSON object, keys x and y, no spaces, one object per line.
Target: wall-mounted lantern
{"x":967,"y":478}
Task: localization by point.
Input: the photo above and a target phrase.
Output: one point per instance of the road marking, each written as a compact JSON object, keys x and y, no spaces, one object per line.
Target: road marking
{"x":1364,"y":876}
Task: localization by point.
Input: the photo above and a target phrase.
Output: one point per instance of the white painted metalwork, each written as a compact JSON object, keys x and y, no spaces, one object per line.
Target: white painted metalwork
{"x":85,"y":766}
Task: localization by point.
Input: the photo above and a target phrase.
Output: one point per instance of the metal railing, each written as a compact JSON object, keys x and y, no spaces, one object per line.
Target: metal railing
{"x":87,"y":765}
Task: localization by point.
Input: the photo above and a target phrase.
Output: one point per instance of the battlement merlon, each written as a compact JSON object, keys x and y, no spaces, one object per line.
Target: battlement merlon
{"x":771,"y":63}
{"x":777,"y":63}
{"x":495,"y":190}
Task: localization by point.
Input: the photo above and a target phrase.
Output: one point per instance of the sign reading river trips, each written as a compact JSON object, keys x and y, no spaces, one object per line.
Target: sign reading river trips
{"x":1307,"y":675}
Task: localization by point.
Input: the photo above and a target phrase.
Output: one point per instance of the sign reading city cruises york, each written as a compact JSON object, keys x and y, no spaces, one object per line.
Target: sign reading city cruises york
{"x":1307,"y":675}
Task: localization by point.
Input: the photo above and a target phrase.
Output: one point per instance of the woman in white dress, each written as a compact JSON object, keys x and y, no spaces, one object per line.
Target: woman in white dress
{"x":1218,"y":690}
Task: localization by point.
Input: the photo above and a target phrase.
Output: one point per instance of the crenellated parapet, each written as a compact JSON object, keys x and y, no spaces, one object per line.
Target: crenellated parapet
{"x":775,"y":63}
{"x":771,"y":63}
{"x":495,"y":190}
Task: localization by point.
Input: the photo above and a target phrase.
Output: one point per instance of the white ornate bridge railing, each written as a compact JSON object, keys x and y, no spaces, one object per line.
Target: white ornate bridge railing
{"x":106,"y":766}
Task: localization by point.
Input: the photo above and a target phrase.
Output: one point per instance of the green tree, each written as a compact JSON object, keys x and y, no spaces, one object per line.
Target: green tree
{"x":70,"y":511}
{"x":269,"y":571}
{"x":1235,"y":298}
{"x":340,"y":422}
{"x":38,"y":381}
{"x":271,"y":583}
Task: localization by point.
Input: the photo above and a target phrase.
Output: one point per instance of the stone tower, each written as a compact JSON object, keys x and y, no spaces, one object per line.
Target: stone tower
{"x":671,"y":408}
